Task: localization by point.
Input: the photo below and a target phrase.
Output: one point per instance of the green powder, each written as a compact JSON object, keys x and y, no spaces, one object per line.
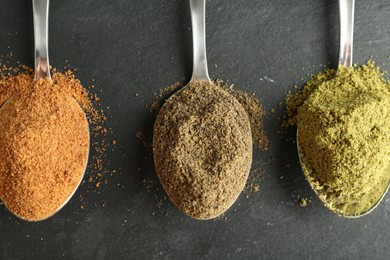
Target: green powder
{"x":343,"y":123}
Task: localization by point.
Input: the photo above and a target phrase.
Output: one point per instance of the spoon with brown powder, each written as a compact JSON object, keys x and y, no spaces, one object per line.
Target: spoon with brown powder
{"x":44,"y":137}
{"x":343,"y":191}
{"x":202,"y":141}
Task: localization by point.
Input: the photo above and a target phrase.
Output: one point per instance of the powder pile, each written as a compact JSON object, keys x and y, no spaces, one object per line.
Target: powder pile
{"x":202,"y":149}
{"x":44,"y":140}
{"x":249,"y":102}
{"x":344,"y":131}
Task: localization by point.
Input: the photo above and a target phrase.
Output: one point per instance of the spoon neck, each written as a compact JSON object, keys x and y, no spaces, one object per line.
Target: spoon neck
{"x":347,"y":12}
{"x":198,"y":18}
{"x":41,"y":32}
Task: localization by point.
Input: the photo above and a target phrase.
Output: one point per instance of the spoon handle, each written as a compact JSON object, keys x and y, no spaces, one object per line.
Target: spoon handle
{"x":41,"y":17}
{"x":198,"y":18}
{"x":347,"y":10}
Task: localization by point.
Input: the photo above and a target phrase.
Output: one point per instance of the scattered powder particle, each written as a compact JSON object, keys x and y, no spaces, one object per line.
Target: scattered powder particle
{"x":255,"y":176}
{"x":147,"y":184}
{"x":154,"y":107}
{"x":255,"y":188}
{"x":303,"y":202}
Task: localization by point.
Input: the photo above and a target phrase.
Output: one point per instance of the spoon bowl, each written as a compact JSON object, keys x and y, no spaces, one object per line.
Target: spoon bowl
{"x":308,"y":172}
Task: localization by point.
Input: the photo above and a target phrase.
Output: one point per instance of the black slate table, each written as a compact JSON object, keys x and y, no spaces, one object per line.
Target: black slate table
{"x":131,"y":47}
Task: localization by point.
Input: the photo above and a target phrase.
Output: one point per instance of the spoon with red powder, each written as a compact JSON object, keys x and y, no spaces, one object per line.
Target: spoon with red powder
{"x":44,"y":138}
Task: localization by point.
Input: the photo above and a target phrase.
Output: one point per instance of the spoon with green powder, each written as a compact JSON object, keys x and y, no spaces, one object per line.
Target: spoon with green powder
{"x":202,"y":142}
{"x":343,"y":132}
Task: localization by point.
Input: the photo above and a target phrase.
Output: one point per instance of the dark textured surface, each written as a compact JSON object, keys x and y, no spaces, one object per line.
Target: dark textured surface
{"x":131,"y":47}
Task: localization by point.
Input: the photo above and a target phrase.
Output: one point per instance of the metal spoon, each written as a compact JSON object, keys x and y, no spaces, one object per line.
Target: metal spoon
{"x":42,"y":71}
{"x":200,"y":70}
{"x":198,"y":18}
{"x":41,"y":38}
{"x":346,"y":8}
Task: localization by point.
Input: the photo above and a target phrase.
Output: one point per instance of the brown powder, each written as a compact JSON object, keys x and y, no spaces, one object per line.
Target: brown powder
{"x":169,"y":89}
{"x":249,"y":102}
{"x":202,"y":149}
{"x":254,"y":108}
{"x":163,"y":94}
{"x":44,"y":140}
{"x":256,"y":175}
{"x":154,"y":107}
